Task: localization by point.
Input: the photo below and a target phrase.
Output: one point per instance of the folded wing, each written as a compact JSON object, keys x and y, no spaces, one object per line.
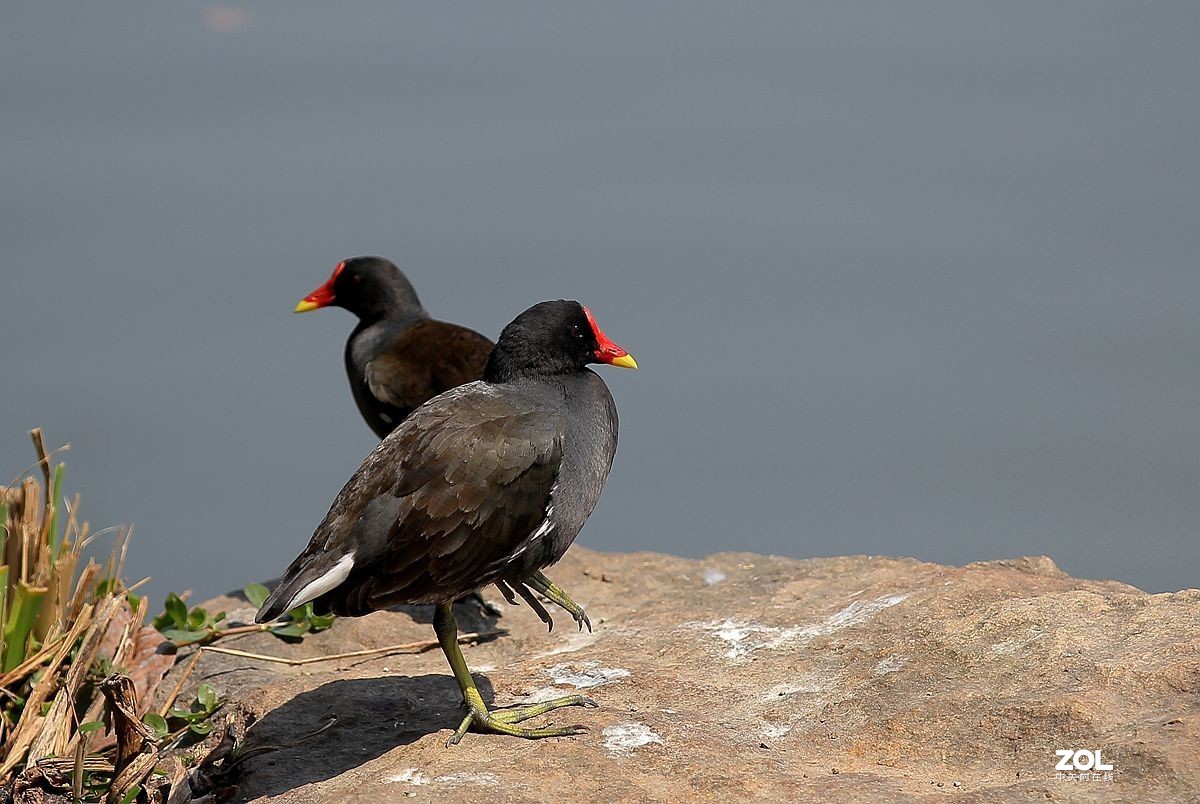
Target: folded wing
{"x":435,"y":510}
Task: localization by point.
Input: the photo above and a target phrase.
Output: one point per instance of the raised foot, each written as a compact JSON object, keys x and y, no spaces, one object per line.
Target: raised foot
{"x":555,"y":594}
{"x":503,"y":721}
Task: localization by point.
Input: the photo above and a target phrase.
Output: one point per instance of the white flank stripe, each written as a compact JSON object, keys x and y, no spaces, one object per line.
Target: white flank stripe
{"x":314,"y":589}
{"x":545,"y":527}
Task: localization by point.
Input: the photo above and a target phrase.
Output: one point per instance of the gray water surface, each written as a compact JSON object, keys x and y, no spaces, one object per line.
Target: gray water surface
{"x":906,"y":279}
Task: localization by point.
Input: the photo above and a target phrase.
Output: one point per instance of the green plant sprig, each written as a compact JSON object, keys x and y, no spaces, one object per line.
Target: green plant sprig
{"x":196,"y":626}
{"x":197,"y":718}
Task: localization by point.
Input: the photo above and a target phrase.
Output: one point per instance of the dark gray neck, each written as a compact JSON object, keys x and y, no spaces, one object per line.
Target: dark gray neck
{"x":507,"y":365}
{"x":393,"y":309}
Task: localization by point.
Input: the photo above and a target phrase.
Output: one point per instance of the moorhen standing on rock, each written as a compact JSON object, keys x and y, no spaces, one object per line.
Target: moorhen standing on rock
{"x":397,"y":358}
{"x":487,"y":483}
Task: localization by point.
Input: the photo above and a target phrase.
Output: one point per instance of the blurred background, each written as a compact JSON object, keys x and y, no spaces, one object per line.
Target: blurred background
{"x":907,"y":279}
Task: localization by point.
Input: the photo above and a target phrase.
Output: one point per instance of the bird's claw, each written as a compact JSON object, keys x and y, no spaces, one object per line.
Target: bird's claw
{"x":507,"y":591}
{"x":551,"y":591}
{"x":504,"y":721}
{"x":554,"y":593}
{"x":482,"y":607}
{"x":536,"y":605}
{"x":581,"y":620}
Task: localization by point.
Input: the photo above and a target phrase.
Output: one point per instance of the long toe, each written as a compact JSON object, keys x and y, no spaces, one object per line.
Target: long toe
{"x":504,"y":721}
{"x":518,"y":713}
{"x":500,"y":726}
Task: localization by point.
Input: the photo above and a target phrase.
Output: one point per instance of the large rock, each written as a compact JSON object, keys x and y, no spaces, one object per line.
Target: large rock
{"x":746,"y":676}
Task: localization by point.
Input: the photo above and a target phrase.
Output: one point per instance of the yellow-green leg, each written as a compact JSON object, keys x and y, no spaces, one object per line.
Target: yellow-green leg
{"x":503,"y":721}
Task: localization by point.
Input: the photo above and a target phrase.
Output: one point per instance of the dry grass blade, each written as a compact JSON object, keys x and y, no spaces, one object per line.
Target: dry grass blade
{"x":267,"y":748}
{"x":408,"y":647}
{"x":183,"y":677}
{"x":30,"y":664}
{"x":39,"y":444}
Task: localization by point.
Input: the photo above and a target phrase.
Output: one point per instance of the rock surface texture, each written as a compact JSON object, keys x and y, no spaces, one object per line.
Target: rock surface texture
{"x":743,"y":676}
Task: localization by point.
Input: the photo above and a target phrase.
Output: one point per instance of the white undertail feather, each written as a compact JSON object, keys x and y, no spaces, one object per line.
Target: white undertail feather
{"x":319,"y":586}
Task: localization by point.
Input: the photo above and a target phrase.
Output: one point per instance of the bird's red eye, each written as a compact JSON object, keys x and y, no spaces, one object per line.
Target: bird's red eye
{"x":576,"y":331}
{"x":357,"y":279}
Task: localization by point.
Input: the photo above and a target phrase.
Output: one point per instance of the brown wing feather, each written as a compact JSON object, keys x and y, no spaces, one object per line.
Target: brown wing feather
{"x":435,"y":511}
{"x":428,"y":358}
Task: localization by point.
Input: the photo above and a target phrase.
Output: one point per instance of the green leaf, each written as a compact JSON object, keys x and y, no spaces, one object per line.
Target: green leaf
{"x":183,"y":636}
{"x":133,"y":793}
{"x":185,"y":714}
{"x":320,"y":622}
{"x":90,"y":726}
{"x":157,"y":724}
{"x":23,"y":610}
{"x":201,"y":728}
{"x":196,"y":618}
{"x":3,"y":586}
{"x":176,"y":609}
{"x":290,"y":630}
{"x":207,"y":697}
{"x":257,"y":594}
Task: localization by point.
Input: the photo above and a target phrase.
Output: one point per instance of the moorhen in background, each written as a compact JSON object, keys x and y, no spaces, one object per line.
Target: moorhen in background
{"x":397,"y":357}
{"x":487,"y":483}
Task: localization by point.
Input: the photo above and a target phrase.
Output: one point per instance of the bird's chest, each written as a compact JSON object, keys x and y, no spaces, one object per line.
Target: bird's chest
{"x":364,"y":346}
{"x":589,"y":448}
{"x":367,"y":343}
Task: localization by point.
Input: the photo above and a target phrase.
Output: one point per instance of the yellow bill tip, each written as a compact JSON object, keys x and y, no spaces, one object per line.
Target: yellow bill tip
{"x":625,"y":361}
{"x":305,"y":306}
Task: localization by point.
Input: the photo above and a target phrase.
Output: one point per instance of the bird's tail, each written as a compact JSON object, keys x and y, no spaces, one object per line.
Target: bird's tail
{"x":304,"y":582}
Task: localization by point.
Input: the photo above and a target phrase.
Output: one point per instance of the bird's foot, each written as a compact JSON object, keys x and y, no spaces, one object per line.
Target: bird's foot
{"x":551,"y":591}
{"x":556,"y":595}
{"x":483,"y":608}
{"x":504,"y":721}
{"x":536,"y":605}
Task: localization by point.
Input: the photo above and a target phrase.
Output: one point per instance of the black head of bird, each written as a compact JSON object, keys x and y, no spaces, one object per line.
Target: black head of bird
{"x":550,"y":338}
{"x":369,"y":287}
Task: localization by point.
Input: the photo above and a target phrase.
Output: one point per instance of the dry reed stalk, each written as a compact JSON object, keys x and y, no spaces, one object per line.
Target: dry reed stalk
{"x":183,"y":677}
{"x":407,"y":647}
{"x":29,"y":665}
{"x":83,"y":590}
{"x":30,"y":724}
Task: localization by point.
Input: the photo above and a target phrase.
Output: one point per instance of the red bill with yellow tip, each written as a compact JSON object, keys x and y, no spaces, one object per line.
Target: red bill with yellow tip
{"x":322,"y":296}
{"x":609,"y":352}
